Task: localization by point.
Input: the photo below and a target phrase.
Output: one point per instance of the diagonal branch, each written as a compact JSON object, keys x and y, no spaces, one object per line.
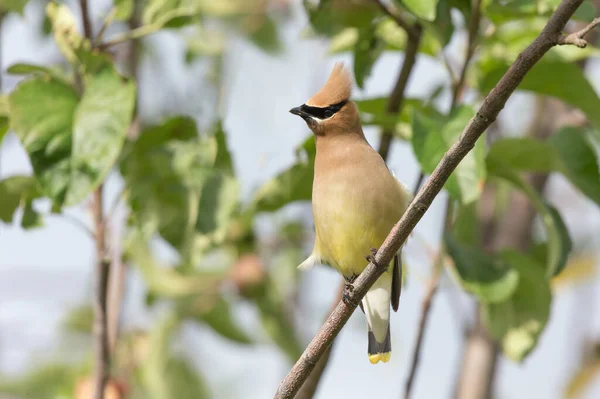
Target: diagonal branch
{"x":576,"y":38}
{"x":491,"y":107}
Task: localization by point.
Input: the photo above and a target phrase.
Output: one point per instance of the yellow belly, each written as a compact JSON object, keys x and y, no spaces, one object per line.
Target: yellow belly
{"x":347,"y":226}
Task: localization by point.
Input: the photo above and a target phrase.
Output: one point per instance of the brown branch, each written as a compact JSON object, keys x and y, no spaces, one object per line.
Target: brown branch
{"x":576,"y":38}
{"x":85,"y":16}
{"x":472,"y":32}
{"x":102,"y":357}
{"x":491,"y":107}
{"x":427,"y":300}
{"x":396,"y":98}
{"x":312,"y":383}
{"x":411,"y":30}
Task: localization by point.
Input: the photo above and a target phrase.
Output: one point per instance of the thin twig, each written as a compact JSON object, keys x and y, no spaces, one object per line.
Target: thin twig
{"x":432,"y":287}
{"x":85,"y":16}
{"x":396,"y":99}
{"x":473,"y":29}
{"x":399,"y":19}
{"x":576,"y":38}
{"x":79,"y":224}
{"x":102,"y":360}
{"x":491,"y":107}
{"x":107,"y":21}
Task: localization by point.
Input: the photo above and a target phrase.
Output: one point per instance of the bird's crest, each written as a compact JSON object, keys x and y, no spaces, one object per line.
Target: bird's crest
{"x":337,"y":89}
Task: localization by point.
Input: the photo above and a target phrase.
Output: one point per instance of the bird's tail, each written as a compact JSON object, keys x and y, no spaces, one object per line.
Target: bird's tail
{"x":380,"y":351}
{"x":376,"y":305}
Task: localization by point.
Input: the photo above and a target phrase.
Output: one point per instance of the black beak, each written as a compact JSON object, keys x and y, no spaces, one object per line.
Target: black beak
{"x":298,"y":111}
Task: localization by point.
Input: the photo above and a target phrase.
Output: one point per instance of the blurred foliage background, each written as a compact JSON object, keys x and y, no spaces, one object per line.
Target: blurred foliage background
{"x":506,"y":249}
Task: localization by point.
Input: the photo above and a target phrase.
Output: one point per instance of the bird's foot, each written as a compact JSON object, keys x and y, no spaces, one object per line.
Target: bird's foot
{"x":371,"y":258}
{"x":348,"y":289}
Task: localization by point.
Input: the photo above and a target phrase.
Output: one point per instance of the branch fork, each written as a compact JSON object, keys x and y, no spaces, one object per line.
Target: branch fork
{"x":576,"y":38}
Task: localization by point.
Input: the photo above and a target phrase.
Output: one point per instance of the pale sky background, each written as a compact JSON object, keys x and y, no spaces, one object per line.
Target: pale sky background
{"x":46,"y":271}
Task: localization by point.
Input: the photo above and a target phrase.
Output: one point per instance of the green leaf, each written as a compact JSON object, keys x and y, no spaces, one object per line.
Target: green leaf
{"x":100,"y":125}
{"x":425,"y":9}
{"x":80,"y":320}
{"x":220,"y":319}
{"x":276,"y":321}
{"x":169,"y":282}
{"x":433,"y":137}
{"x":4,"y":114}
{"x":519,"y":321}
{"x":330,"y":17}
{"x":500,"y":12}
{"x":166,"y":168}
{"x":223,"y":159}
{"x":265,"y":35}
{"x":49,"y":381}
{"x":567,"y":151}
{"x":488,"y":277}
{"x":367,"y":50}
{"x":41,"y":112}
{"x":525,"y":153}
{"x":556,"y":246}
{"x":31,"y":218}
{"x":542,"y":80}
{"x":163,"y":12}
{"x":293,"y":184}
{"x":17,"y":6}
{"x":14,"y":192}
{"x":579,"y":161}
{"x":123,"y":9}
{"x":66,"y":35}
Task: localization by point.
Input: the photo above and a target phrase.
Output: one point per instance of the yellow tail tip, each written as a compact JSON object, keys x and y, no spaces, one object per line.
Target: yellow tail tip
{"x":380,"y":357}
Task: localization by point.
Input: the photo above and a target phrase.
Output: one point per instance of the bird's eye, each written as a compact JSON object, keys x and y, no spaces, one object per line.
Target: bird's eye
{"x":328,"y":113}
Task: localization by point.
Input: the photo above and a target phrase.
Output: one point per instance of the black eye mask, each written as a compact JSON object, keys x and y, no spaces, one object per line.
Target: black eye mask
{"x":323,"y":113}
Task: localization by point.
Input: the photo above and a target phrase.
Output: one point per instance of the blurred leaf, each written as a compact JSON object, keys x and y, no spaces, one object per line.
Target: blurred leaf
{"x":64,"y":27}
{"x":580,"y":268}
{"x":519,"y":321}
{"x":441,"y":27}
{"x":218,"y":316}
{"x":31,"y":218}
{"x":168,"y":282}
{"x":27,"y":69}
{"x":14,"y":192}
{"x":559,"y":243}
{"x":367,"y":50}
{"x":525,"y":153}
{"x":343,"y":41}
{"x":123,"y":9}
{"x":579,"y":161}
{"x":4,"y":114}
{"x":542,"y":80}
{"x":170,"y":13}
{"x":329,"y":17}
{"x":488,"y":277}
{"x":583,"y":379}
{"x":223,"y":158}
{"x":262,"y":32}
{"x":433,"y":137}
{"x":204,"y":43}
{"x":100,"y":124}
{"x":41,"y":112}
{"x":567,"y":151}
{"x":80,"y":319}
{"x":165,"y":375}
{"x":17,"y":6}
{"x":466,"y":228}
{"x":293,"y":184}
{"x":50,"y":381}
{"x":276,"y":321}
{"x":167,"y":169}
{"x":504,"y":11}
{"x":425,"y":9}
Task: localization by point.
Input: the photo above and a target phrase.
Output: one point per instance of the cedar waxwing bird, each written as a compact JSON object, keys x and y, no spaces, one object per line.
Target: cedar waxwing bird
{"x":355,"y":201}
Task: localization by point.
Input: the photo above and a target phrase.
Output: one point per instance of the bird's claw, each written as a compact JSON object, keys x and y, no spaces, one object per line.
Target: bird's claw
{"x":371,"y":258}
